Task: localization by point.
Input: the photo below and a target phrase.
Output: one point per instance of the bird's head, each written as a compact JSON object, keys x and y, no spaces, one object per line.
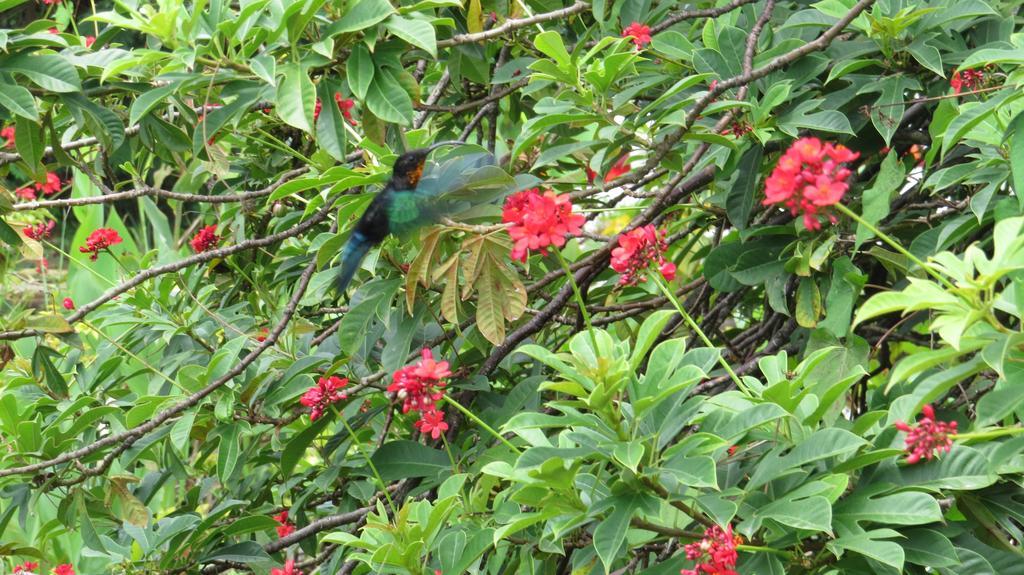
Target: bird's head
{"x":408,"y":167}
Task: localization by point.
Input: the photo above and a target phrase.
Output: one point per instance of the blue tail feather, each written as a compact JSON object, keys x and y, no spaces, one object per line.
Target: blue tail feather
{"x":351,"y":256}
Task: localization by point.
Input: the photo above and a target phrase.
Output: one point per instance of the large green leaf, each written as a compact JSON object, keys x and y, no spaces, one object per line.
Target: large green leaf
{"x":296,"y":97}
{"x":404,"y":459}
{"x":387,"y":99}
{"x":48,"y":71}
{"x":361,"y":15}
{"x":18,"y":100}
{"x":416,"y":32}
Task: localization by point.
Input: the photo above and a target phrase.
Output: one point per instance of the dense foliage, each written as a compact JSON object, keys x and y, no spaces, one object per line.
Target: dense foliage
{"x":742,"y":295}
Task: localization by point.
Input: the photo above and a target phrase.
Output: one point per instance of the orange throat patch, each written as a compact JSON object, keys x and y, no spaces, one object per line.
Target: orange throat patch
{"x":415,"y":175}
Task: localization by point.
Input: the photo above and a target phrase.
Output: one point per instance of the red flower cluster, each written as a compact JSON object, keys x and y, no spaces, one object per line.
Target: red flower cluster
{"x":637,"y":250}
{"x":344,"y":104}
{"x":928,"y":437}
{"x":206,"y":239}
{"x":39,"y":232}
{"x":715,"y":553}
{"x":49,"y":187}
{"x":641,"y":34}
{"x":29,"y":566}
{"x":285,"y":528}
{"x":966,"y":80}
{"x":289,"y":569}
{"x":89,"y":41}
{"x":539,"y":221}
{"x":264,"y":332}
{"x":64,"y":569}
{"x":8,"y":135}
{"x":326,"y":391}
{"x":69,"y":304}
{"x":809,"y":177}
{"x":620,"y":168}
{"x":99,"y":240}
{"x":420,"y":387}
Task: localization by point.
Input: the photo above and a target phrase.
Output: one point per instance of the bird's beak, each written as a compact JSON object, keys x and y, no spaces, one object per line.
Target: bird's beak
{"x":433,"y":147}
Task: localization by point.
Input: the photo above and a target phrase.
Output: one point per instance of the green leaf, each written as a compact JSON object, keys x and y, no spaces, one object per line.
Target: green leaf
{"x":403,"y":459}
{"x":972,"y":114}
{"x":49,"y":72}
{"x":361,"y":15}
{"x":877,"y":198}
{"x":8,"y":235}
{"x":227,"y":453}
{"x":887,"y":111}
{"x":648,"y":335}
{"x":1006,"y":398}
{"x":922,"y":360}
{"x":360,"y":70}
{"x":610,"y":534}
{"x":295,"y":449}
{"x":43,"y":369}
{"x":387,"y":99}
{"x":844,"y":289}
{"x":849,"y":66}
{"x":296,"y":97}
{"x":18,"y":100}
{"x":629,"y":454}
{"x":908,"y":508}
{"x":551,"y":45}
{"x":416,"y":32}
{"x":148,"y":100}
{"x":331,"y":134}
{"x":30,"y":143}
{"x":743,"y":195}
{"x":988,"y":56}
{"x":1016,"y":158}
{"x":871,"y":545}
{"x":821,"y":444}
{"x":810,"y":513}
{"x":100,"y":120}
{"x":929,"y":547}
{"x":963,"y":468}
{"x":808,"y":303}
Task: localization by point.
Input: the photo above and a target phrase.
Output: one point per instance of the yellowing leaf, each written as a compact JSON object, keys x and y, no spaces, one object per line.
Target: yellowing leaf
{"x":474,"y":17}
{"x":490,"y":319}
{"x":808,"y":303}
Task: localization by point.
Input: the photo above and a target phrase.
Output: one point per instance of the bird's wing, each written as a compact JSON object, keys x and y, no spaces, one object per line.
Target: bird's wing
{"x":462,"y":179}
{"x":465,"y":176}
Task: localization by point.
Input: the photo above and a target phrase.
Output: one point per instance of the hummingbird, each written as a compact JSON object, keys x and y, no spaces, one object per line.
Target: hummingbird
{"x":410,"y":200}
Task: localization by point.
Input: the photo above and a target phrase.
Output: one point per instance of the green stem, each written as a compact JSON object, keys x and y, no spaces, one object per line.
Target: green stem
{"x":366,"y":456}
{"x":894,"y":244}
{"x":469,"y":414}
{"x":987,"y":434}
{"x":660,"y":282}
{"x":579,"y":298}
{"x":759,"y":548}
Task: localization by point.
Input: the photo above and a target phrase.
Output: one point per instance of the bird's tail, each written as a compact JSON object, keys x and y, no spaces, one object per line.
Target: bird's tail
{"x":351,"y":256}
